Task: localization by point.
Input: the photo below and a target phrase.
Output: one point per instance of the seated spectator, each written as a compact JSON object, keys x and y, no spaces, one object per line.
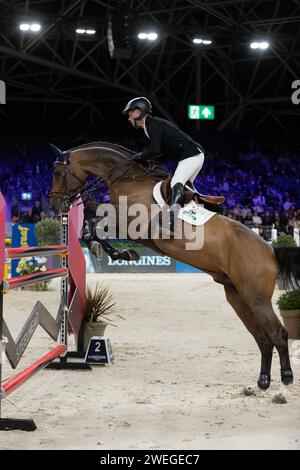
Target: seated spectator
{"x":259,"y":200}
{"x":237,"y":212}
{"x":287,"y":204}
{"x":211,"y":178}
{"x":293,"y":223}
{"x":267,"y":218}
{"x":285,"y":220}
{"x":36,"y":211}
{"x":231,"y":200}
{"x":224,"y":186}
{"x":27,"y":217}
{"x":256,"y":219}
{"x":245,"y":211}
{"x":277,"y":221}
{"x":248,"y":219}
{"x":16,"y":212}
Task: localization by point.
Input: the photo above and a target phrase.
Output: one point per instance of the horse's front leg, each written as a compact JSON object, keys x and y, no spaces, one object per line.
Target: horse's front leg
{"x":127,"y":255}
{"x":96,"y":244}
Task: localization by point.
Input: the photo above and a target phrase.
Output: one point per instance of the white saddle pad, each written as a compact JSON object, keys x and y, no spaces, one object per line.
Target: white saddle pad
{"x":191,"y":213}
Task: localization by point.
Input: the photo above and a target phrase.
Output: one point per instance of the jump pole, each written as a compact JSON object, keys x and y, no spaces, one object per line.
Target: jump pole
{"x":9,"y":424}
{"x":14,"y":382}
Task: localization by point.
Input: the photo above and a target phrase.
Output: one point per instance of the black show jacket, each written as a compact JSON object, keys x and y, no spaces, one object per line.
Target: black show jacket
{"x":167,"y":141}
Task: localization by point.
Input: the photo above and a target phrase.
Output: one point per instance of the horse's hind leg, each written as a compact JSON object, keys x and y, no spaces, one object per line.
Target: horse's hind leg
{"x":259,"y":334}
{"x":266,"y":317}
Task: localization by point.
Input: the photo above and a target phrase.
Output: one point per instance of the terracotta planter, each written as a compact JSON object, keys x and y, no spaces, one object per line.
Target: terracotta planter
{"x":291,"y":321}
{"x":92,"y":329}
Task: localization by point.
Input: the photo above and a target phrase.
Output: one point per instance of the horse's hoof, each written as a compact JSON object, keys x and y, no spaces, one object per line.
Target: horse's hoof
{"x":133,"y":255}
{"x":279,"y":399}
{"x":249,"y":392}
{"x":264,"y":381}
{"x":115,"y":255}
{"x":287,"y":376}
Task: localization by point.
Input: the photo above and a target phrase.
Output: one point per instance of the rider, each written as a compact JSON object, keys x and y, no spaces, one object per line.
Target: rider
{"x":166,"y":140}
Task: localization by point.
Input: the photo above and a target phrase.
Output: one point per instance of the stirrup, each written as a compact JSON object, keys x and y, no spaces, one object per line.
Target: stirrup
{"x":176,"y":195}
{"x":173,"y":213}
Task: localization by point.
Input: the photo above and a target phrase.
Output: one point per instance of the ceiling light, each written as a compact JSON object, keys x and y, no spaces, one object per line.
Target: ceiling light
{"x":259,"y":45}
{"x":142,"y":35}
{"x":35,"y":27}
{"x":24,"y":27}
{"x":152,"y":36}
{"x":264,"y":45}
{"x":205,"y":42}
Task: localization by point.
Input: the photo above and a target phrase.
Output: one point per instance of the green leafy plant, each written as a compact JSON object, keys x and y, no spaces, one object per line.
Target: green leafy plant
{"x":33,"y":265}
{"x":126,"y":245}
{"x":289,"y":300}
{"x":284,"y":240}
{"x":100,"y":306}
{"x":47,"y":232}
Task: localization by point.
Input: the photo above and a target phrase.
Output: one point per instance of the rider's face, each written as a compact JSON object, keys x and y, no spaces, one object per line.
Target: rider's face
{"x":132,"y":115}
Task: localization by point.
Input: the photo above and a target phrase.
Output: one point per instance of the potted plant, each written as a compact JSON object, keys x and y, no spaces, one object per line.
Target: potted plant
{"x":289,"y":307}
{"x":47,"y":232}
{"x":100,"y":311}
{"x":284,"y":240}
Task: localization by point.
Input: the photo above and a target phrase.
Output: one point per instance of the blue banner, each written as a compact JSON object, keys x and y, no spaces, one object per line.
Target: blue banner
{"x":22,"y":235}
{"x":186,"y":268}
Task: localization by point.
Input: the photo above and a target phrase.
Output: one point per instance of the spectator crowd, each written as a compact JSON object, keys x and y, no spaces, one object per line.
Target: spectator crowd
{"x":261,"y":184}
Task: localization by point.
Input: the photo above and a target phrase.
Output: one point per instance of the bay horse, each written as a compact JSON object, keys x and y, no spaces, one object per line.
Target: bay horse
{"x":232,"y":254}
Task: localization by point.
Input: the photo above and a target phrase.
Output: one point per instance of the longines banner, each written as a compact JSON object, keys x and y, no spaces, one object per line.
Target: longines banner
{"x":149,"y":262}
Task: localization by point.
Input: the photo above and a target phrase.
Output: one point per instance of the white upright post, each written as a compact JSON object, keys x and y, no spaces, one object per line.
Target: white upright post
{"x":297,"y":236}
{"x":274,"y":234}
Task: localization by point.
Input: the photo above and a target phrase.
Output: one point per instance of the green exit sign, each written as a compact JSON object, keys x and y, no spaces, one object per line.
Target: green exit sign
{"x":201,"y":111}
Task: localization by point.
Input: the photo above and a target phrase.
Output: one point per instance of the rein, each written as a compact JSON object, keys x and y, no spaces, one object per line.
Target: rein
{"x":115,"y":173}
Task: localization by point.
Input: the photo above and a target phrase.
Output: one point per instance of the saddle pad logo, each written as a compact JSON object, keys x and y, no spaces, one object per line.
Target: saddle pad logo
{"x":195,"y":214}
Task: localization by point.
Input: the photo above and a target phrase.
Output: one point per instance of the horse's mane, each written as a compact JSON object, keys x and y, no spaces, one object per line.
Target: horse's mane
{"x":104,"y":144}
{"x":155,"y":172}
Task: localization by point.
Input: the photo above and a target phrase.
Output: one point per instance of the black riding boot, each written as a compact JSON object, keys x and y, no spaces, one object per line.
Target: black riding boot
{"x":176,"y":198}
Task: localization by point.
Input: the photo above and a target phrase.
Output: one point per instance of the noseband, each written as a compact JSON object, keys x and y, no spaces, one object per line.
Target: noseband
{"x":66,"y":198}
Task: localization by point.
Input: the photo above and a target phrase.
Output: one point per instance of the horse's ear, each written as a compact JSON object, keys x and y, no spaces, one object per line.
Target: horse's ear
{"x":59,"y":155}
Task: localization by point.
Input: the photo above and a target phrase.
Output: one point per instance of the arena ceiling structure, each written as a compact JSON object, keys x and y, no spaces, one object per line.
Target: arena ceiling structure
{"x":56,"y":73}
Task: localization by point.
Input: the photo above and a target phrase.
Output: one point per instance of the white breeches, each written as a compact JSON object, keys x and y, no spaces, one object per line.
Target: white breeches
{"x":188,"y":169}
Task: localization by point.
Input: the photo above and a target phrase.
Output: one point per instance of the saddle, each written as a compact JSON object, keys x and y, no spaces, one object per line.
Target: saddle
{"x":190,"y":193}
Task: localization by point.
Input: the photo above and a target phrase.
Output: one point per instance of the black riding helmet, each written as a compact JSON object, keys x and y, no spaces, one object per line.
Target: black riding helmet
{"x":141,"y":103}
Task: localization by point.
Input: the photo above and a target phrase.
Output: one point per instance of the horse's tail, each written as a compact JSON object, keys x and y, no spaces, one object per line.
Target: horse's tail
{"x":288,"y":258}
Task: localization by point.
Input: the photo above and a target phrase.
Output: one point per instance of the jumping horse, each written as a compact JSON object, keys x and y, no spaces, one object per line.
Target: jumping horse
{"x":232,"y":254}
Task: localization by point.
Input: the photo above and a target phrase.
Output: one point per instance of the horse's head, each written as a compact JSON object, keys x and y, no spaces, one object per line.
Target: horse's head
{"x":68,"y":179}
